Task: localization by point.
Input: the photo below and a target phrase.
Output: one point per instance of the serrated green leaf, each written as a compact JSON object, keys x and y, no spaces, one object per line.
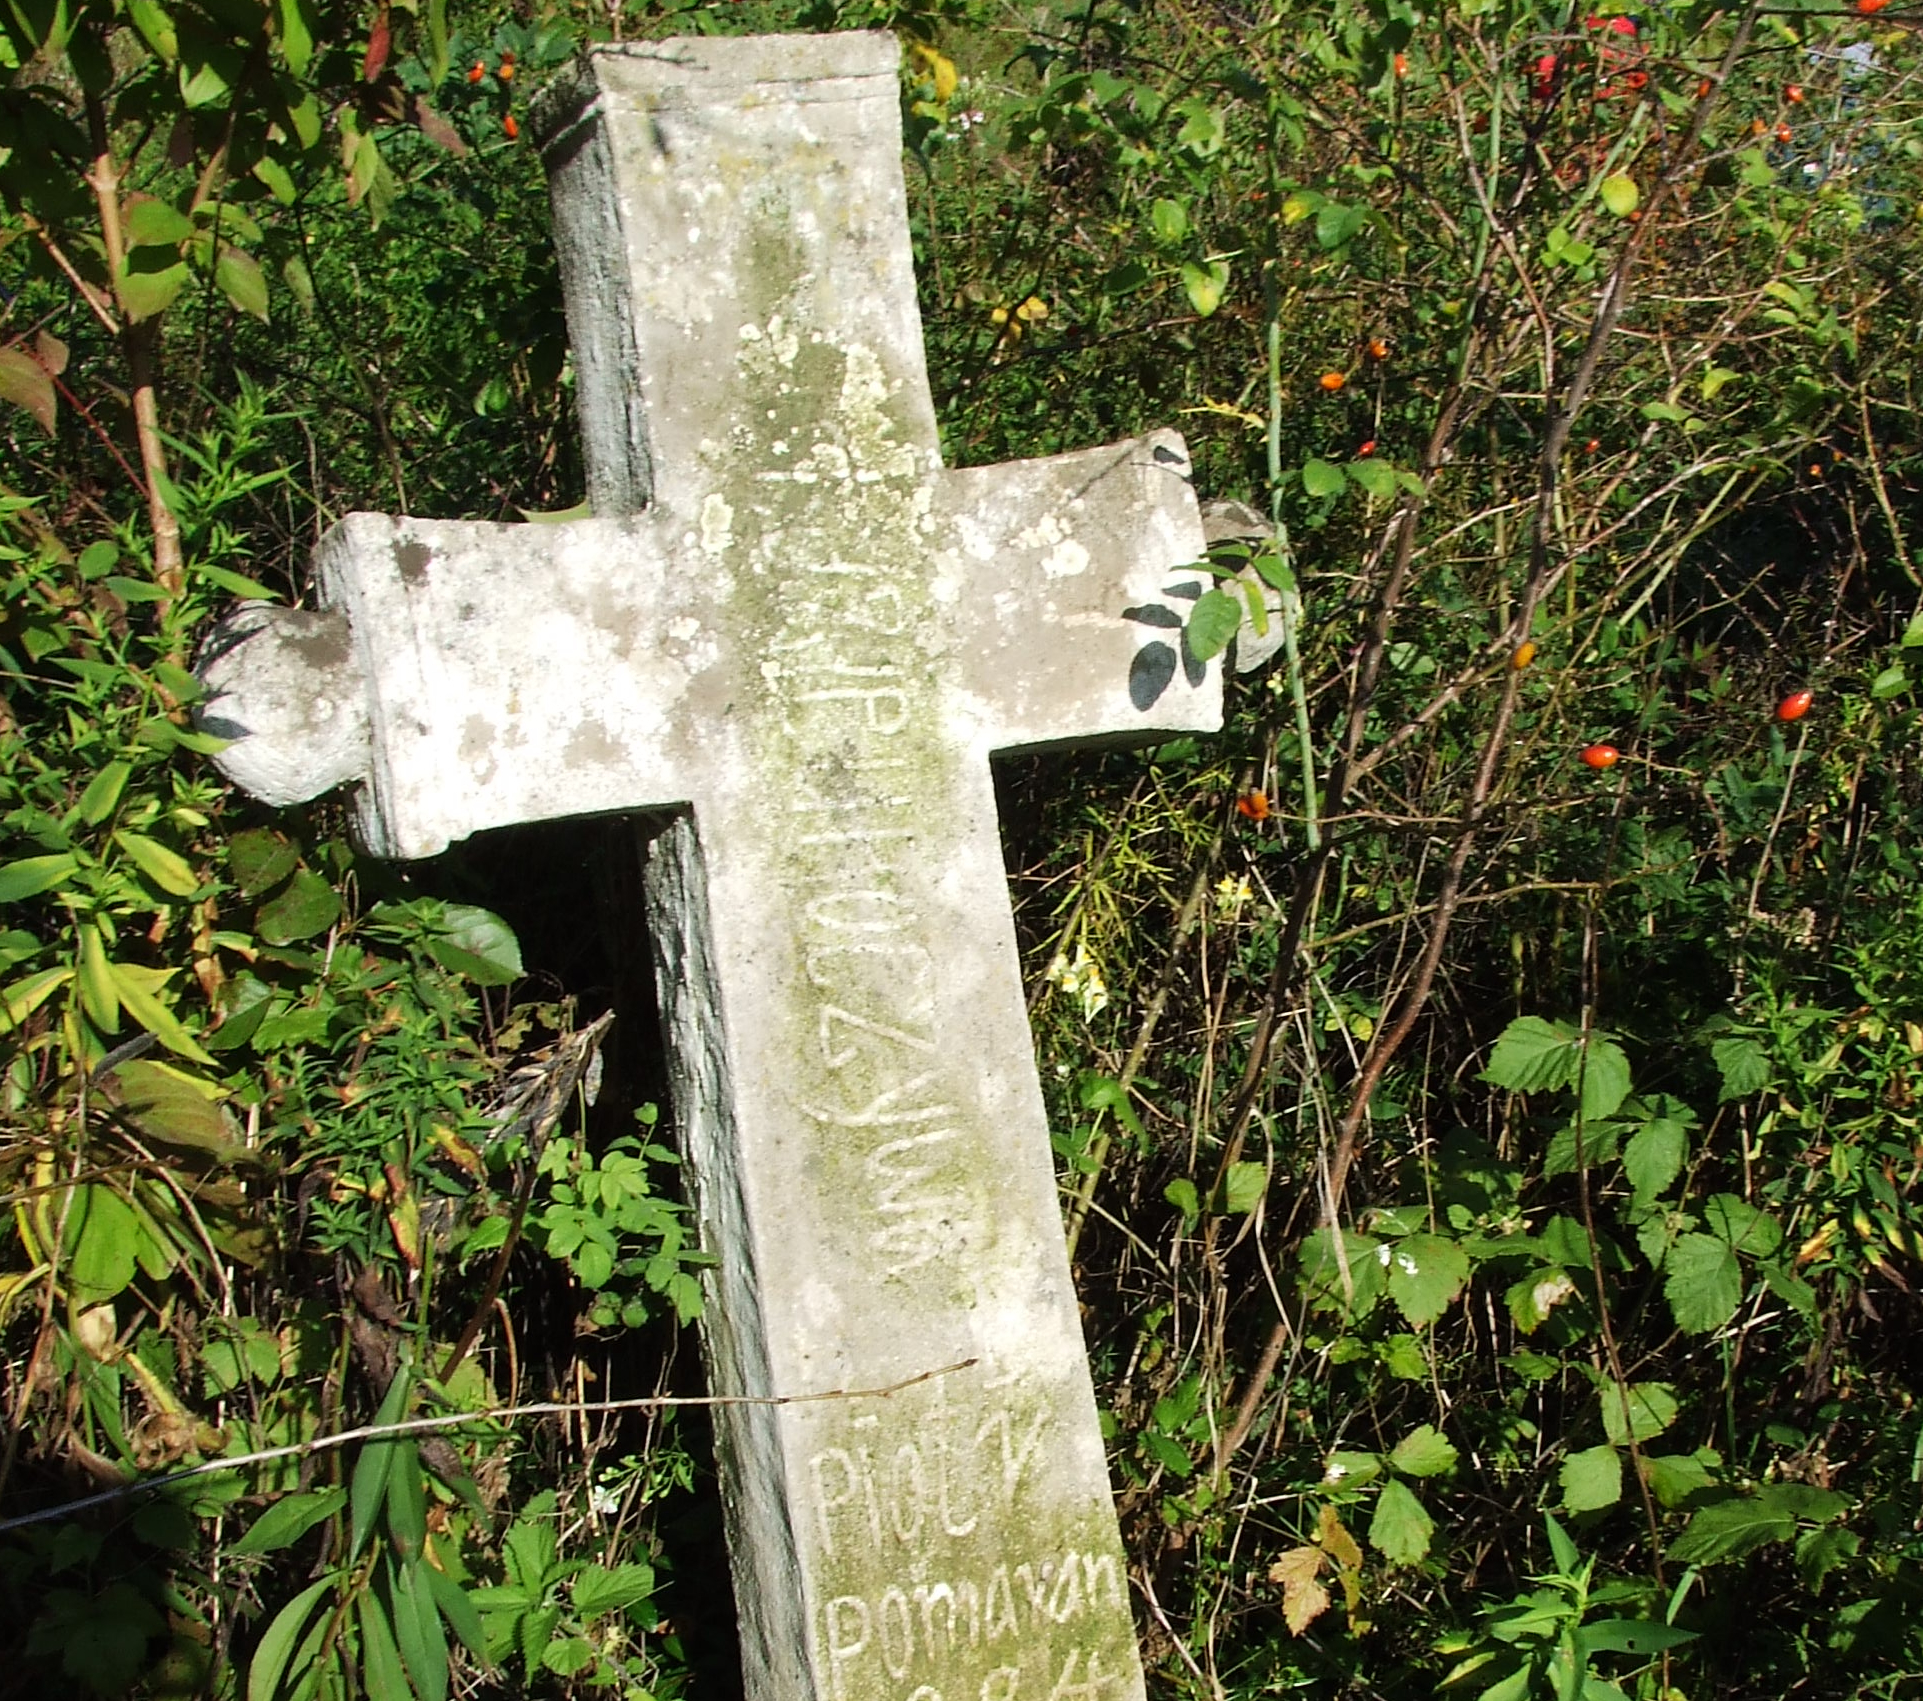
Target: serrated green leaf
{"x":1401,"y":1527}
{"x":1654,"y":1156}
{"x":1750,"y":1231}
{"x":1652,"y":1409}
{"x":1703,"y":1283}
{"x":1321,"y":479}
{"x":1730,"y":1529}
{"x":597,"y":1590}
{"x":1424,"y":1452}
{"x":1591,"y":1479}
{"x":1215,"y":619}
{"x":1744,"y":1066}
{"x":1533,"y":1056}
{"x":1342,"y":1271}
{"x":1675,"y":1477}
{"x":1242,"y":1187}
{"x":1425,"y":1274}
{"x":1605,"y":1077}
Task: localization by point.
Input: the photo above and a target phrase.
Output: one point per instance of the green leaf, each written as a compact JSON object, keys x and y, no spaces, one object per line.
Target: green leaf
{"x":166,"y":868}
{"x":406,"y":1500}
{"x":176,"y":1109}
{"x":1730,"y":1529}
{"x":241,"y":280}
{"x":288,"y":1519}
{"x":20,"y":1000}
{"x":29,"y":385}
{"x":1401,"y":1527}
{"x":153,"y":223}
{"x":597,"y":1590}
{"x":103,"y":791}
{"x":138,"y":1000}
{"x":104,"y":1237}
{"x":1703,"y":1283}
{"x":1243,"y":1187}
{"x":98,"y":995}
{"x":1183,"y":1195}
{"x":1170,"y":222}
{"x":1206,"y":283}
{"x":1591,"y":1479}
{"x":1652,"y":1409}
{"x":1376,"y":479}
{"x":258,"y":859}
{"x":1321,"y":479}
{"x":1744,"y":1066}
{"x":458,"y":1609}
{"x":296,"y":36}
{"x":1654,"y":1156}
{"x":1675,"y":1477}
{"x":147,"y":293}
{"x":380,"y":1658}
{"x":1215,"y":619}
{"x":1633,"y":1636}
{"x":1620,"y":195}
{"x":1425,"y":1273}
{"x":368,"y":1491}
{"x":1714,"y":379}
{"x":1424,"y":1452}
{"x":417,"y":1627}
{"x":155,"y":27}
{"x":1335,"y":225}
{"x":308,"y":906}
{"x":1747,"y":1229}
{"x":277,"y":1642}
{"x":1605,"y":1077}
{"x":477,"y":943}
{"x":1891,"y":682}
{"x":1341,"y":1271}
{"x":32,"y":875}
{"x":1534,"y":1056}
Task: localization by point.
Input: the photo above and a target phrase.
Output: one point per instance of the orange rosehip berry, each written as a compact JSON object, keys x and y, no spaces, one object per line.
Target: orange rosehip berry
{"x":1601,"y":755}
{"x":506,"y":72}
{"x":1869,"y":8}
{"x":1794,"y":94}
{"x":1379,"y":348}
{"x":1402,"y":64}
{"x":1783,"y":132}
{"x":1592,"y":446}
{"x":1795,"y":706}
{"x":1365,"y":450}
{"x":511,"y":128}
{"x":1703,"y":88}
{"x":1757,"y":127}
{"x":1255,"y":806}
{"x":477,"y":73}
{"x":1523,"y":654}
{"x":1332,"y":381}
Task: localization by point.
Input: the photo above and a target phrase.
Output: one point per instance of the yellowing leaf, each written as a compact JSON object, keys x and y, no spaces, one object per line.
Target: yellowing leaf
{"x":1304,"y":1600}
{"x":1620,"y":195}
{"x":166,"y":868}
{"x":1336,"y":1541}
{"x":941,"y":71}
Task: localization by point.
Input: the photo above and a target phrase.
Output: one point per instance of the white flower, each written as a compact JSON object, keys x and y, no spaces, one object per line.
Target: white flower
{"x":1232,"y":891}
{"x":1080,"y":979}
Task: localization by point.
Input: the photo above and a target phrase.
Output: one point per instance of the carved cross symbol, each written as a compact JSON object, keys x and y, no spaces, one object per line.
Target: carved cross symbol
{"x":789,"y":623}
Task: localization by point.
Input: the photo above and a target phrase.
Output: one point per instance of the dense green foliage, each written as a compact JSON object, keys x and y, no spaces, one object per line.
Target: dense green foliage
{"x":1484,"y":1078}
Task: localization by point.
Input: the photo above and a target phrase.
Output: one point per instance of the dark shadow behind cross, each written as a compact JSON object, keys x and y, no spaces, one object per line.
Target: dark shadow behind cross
{"x":788,"y":622}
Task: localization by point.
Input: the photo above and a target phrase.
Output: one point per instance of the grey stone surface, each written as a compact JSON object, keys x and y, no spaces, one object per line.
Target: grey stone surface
{"x":791,"y":624}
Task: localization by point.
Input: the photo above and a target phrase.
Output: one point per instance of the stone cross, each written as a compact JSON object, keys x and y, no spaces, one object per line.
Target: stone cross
{"x":790,"y":624}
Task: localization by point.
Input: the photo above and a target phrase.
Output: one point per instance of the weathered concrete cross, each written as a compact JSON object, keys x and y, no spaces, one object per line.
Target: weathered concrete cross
{"x":791,"y":623}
